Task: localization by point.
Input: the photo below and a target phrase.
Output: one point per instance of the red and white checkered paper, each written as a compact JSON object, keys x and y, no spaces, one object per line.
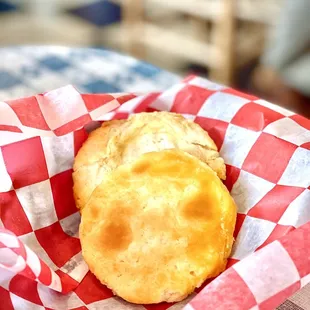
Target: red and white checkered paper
{"x":267,"y":152}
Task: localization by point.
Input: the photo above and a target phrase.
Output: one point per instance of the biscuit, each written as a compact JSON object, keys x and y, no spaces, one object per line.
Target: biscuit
{"x":157,"y":228}
{"x":119,"y":142}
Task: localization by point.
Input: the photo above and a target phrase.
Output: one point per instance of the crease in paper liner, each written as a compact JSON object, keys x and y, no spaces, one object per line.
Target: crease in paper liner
{"x":19,"y":259}
{"x":167,"y":99}
{"x":54,"y":109}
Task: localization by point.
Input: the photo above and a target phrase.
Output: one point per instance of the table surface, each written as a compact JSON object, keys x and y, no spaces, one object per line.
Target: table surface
{"x":25,"y":71}
{"x":29,"y":70}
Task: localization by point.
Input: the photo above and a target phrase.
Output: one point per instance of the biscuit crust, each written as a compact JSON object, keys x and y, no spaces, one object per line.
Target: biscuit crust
{"x":157,"y":228}
{"x":119,"y":142}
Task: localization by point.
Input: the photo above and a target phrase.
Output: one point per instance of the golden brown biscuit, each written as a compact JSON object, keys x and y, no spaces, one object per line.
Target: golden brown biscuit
{"x":155,"y":229}
{"x":118,"y":142}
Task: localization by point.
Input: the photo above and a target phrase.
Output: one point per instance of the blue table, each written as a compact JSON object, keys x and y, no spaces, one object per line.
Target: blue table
{"x":29,"y":70}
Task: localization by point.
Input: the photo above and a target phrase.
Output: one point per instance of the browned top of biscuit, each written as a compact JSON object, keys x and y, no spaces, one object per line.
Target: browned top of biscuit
{"x":155,"y":229}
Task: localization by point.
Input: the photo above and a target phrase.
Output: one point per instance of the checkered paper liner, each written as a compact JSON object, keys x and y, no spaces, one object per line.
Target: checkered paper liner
{"x":267,"y":152}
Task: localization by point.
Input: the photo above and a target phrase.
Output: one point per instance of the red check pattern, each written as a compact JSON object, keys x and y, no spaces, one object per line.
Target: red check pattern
{"x":266,"y":149}
{"x":73,"y":110}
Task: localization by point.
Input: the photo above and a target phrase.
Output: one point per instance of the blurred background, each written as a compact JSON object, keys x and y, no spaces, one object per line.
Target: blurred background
{"x":258,"y":46}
